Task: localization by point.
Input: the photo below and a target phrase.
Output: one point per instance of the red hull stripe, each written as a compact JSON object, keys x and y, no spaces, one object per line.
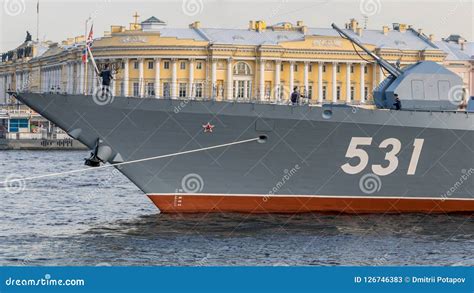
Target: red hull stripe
{"x":202,"y":203}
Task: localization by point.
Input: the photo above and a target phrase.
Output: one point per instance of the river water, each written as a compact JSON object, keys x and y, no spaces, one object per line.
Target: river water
{"x":100,"y":218}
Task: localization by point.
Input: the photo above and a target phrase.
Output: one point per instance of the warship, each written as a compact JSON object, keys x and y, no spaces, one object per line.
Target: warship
{"x":411,"y":152}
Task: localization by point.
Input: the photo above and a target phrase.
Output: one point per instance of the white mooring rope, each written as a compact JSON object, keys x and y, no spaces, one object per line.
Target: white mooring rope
{"x":13,"y":180}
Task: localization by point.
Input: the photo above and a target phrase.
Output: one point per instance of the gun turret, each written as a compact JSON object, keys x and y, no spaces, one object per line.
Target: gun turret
{"x":425,"y":85}
{"x":382,"y":62}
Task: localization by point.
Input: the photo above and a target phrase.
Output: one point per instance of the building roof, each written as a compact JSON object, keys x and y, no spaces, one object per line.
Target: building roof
{"x":153,"y":20}
{"x":394,"y":39}
{"x":454,"y":51}
{"x":250,"y":37}
{"x":408,"y":40}
{"x":181,"y":33}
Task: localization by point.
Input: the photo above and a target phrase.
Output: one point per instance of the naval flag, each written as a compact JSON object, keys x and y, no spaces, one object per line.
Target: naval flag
{"x":89,"y":41}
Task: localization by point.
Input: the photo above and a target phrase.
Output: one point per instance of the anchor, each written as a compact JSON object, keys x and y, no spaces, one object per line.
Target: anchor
{"x":100,"y":154}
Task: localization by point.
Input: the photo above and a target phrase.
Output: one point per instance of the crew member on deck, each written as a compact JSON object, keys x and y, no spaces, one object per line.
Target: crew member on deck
{"x":107,"y":77}
{"x":398,"y":103}
{"x":295,"y":96}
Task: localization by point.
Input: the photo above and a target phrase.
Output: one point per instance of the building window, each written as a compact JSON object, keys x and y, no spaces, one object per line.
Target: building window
{"x":282,"y":67}
{"x":122,"y":89}
{"x":365,"y":69}
{"x":166,"y":90}
{"x":182,"y":90}
{"x":324,"y":92}
{"x":268,"y":89}
{"x":198,"y":90}
{"x":123,"y":65}
{"x":135,"y":89}
{"x":366,"y":92}
{"x":296,"y":67}
{"x":150,"y":89}
{"x":199,"y":65}
{"x":352,"y":68}
{"x":324,"y":68}
{"x":135,"y":65}
{"x":166,"y":65}
{"x":150,"y":64}
{"x":240,"y":89}
{"x":310,"y":92}
{"x":338,"y":68}
{"x":182,"y":65}
{"x":352,"y":92}
{"x":17,"y":124}
{"x":310,"y":68}
{"x":242,"y":68}
{"x":338,"y":92}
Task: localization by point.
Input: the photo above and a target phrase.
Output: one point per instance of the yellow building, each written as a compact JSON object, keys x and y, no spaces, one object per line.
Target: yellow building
{"x":261,"y":62}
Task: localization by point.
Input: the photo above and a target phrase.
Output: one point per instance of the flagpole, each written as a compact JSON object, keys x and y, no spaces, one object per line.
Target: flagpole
{"x":85,"y":65}
{"x":37,"y":21}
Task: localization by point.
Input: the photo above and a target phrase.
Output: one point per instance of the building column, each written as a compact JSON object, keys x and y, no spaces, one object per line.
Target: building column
{"x":262,"y":80}
{"x":277,"y":81}
{"x":49,"y":78}
{"x":141,"y":78}
{"x":94,"y":80}
{"x":2,"y":92}
{"x":306,"y":79}
{"x":191,"y":93}
{"x":57,"y":80}
{"x":334,"y":82}
{"x":174,"y":78}
{"x":49,"y":83}
{"x":126,"y":77}
{"x":381,"y":75}
{"x":471,"y":80}
{"x":70,"y":78}
{"x":80,"y":78}
{"x":362,"y":83}
{"x":113,"y":83}
{"x":157,"y":77}
{"x":374,"y":76}
{"x":320,"y":82}
{"x":229,"y":81}
{"x":213,"y":78}
{"x":348,"y":83}
{"x":291,"y":83}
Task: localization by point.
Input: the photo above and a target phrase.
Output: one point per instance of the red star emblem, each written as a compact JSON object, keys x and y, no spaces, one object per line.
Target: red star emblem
{"x":208,"y":127}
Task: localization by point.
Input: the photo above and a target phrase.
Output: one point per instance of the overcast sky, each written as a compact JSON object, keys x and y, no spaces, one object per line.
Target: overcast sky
{"x":65,"y":18}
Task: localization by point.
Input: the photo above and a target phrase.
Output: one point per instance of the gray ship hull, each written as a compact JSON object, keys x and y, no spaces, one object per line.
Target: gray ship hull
{"x":308,"y":158}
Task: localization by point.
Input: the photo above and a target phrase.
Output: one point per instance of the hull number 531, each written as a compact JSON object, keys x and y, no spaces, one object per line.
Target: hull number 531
{"x":394,"y":145}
